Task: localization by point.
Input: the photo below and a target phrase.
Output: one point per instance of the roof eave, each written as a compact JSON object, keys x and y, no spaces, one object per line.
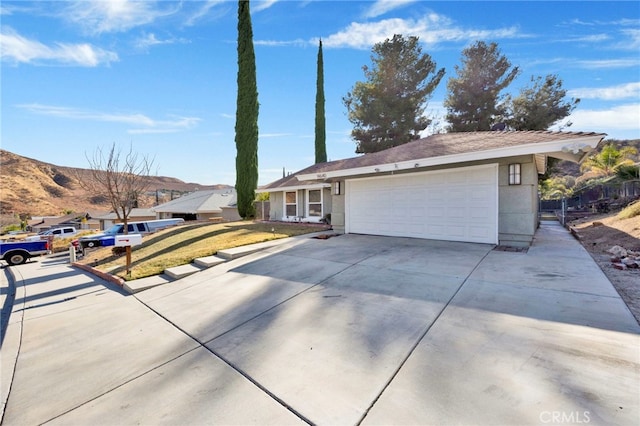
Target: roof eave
{"x":574,"y":149}
{"x":318,"y":185}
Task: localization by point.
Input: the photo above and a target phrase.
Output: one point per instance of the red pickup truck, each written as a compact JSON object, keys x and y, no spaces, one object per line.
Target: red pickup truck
{"x":18,"y":252}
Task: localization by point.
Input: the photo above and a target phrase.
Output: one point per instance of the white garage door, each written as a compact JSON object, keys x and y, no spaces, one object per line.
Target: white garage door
{"x":456,"y":205}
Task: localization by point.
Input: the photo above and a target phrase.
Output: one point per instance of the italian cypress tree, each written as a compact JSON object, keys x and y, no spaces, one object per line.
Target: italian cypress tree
{"x":321,"y":135}
{"x":246,"y":116}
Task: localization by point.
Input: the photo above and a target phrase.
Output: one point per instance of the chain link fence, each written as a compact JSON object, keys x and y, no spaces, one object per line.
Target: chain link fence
{"x":593,"y":199}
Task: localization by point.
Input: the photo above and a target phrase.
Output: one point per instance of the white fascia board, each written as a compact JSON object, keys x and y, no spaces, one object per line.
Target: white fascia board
{"x":583,"y":144}
{"x":541,"y":163}
{"x":294,"y":188}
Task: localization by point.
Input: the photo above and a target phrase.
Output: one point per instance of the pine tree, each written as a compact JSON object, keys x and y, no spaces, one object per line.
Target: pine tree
{"x":246,"y":116}
{"x":539,"y":106}
{"x":321,"y":135}
{"x":388,"y":109}
{"x":474,"y":100}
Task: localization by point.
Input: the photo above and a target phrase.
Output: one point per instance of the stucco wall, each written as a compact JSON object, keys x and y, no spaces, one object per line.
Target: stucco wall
{"x":518,"y":204}
{"x":277,"y":205}
{"x":337,"y":210}
{"x":276,"y":200}
{"x":327,"y":202}
{"x":230,"y":214}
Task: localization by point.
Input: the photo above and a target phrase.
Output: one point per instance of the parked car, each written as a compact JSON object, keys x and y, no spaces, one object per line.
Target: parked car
{"x":18,"y":252}
{"x":62,"y":232}
{"x":107,"y":238}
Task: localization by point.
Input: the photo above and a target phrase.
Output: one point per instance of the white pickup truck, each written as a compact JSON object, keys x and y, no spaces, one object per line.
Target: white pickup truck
{"x":107,"y":238}
{"x":61,"y":232}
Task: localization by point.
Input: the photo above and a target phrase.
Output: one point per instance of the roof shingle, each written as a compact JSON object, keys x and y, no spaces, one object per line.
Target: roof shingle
{"x":439,"y":145}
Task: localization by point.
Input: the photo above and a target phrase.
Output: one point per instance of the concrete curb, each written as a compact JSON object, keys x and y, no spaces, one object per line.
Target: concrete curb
{"x":104,"y":275}
{"x":10,"y":347}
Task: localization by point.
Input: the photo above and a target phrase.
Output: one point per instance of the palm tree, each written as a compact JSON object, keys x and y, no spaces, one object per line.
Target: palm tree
{"x":609,"y":160}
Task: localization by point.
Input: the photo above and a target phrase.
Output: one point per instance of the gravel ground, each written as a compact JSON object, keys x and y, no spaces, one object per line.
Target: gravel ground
{"x":598,"y":235}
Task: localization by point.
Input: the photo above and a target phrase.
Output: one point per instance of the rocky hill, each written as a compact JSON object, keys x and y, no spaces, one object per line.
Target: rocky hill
{"x":35,"y":188}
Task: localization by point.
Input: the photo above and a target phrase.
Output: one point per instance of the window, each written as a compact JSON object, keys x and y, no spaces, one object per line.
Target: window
{"x":291,"y":204}
{"x":514,"y":174}
{"x":314,"y":205}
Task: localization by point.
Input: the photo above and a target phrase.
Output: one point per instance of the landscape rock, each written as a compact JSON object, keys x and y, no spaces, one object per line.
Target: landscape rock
{"x":618,"y":251}
{"x":630,"y":262}
{"x":624,"y":259}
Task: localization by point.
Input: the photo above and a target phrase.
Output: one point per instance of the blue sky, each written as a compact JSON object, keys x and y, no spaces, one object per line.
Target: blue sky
{"x":160,"y":76}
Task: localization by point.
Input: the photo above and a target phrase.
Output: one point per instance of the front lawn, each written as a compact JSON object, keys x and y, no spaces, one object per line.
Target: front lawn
{"x":181,"y":245}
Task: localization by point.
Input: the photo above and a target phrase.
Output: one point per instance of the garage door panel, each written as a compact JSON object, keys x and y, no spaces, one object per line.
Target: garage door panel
{"x":459,"y":205}
{"x":480,"y":214}
{"x":479,"y":232}
{"x":436,"y":230}
{"x":435,"y":215}
{"x":479,"y":194}
{"x":456,"y":212}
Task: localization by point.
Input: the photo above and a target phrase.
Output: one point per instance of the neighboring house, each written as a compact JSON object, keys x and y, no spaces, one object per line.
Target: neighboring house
{"x":80,"y":221}
{"x":136,"y":215}
{"x":473,"y":186}
{"x":214,"y":204}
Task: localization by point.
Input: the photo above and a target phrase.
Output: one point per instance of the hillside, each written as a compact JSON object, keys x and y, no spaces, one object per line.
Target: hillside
{"x":37,"y":188}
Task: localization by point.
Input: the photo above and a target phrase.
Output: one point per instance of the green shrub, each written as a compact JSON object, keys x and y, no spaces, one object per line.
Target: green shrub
{"x":632,"y":210}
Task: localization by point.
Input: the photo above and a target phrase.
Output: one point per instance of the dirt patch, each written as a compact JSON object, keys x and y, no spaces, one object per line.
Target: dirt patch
{"x":598,"y":234}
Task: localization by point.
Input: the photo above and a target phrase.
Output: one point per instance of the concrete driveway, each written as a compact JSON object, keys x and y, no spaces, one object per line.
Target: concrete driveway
{"x":350,"y":330}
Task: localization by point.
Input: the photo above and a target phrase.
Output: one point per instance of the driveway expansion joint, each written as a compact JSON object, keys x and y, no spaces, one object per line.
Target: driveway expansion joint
{"x":419,"y":340}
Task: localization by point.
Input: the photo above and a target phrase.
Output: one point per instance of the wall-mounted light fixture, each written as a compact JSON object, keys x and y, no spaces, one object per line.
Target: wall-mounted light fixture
{"x":514,"y":174}
{"x":336,"y":187}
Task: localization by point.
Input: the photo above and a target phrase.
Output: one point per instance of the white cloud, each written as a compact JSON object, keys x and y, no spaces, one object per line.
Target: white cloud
{"x":615,"y":120}
{"x":610,"y":63}
{"x":589,"y":64}
{"x":6,"y":10}
{"x":381,"y":7}
{"x":593,"y":38}
{"x":621,"y":91}
{"x":105,"y":16}
{"x":146,"y":41}
{"x":633,"y":43}
{"x":204,"y":10}
{"x":262,"y":5}
{"x":146,"y":124}
{"x":15,"y":48}
{"x":275,"y":43}
{"x":431,"y":29}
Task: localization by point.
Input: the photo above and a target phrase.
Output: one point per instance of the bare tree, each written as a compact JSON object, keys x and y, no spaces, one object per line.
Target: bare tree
{"x":121,"y":179}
